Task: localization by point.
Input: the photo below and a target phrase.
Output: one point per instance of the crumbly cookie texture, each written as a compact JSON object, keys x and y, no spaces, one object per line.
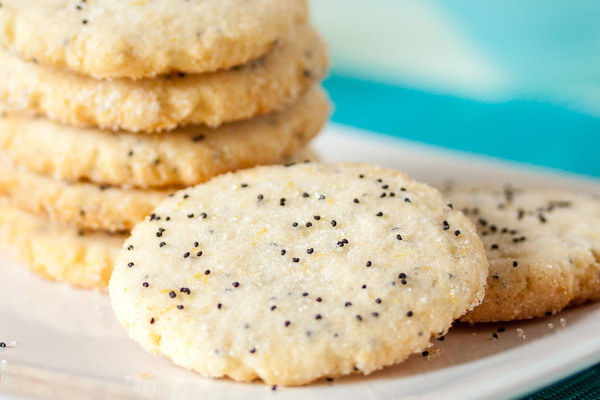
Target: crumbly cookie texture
{"x":61,"y":253}
{"x":289,"y":274}
{"x":143,"y":38}
{"x":163,"y":103}
{"x":543,"y":246}
{"x":182,"y":157}
{"x":87,"y":205}
{"x":81,"y":204}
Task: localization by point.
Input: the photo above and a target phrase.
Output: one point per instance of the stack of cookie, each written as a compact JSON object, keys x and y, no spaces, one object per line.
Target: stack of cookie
{"x":109,"y":107}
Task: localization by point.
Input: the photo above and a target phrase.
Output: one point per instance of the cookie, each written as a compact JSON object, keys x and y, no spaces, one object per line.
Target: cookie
{"x":87,"y":205}
{"x":60,"y":253}
{"x":167,"y":102}
{"x":289,"y":274}
{"x":307,"y":154}
{"x":136,"y":39}
{"x":543,"y":246}
{"x":180,"y":158}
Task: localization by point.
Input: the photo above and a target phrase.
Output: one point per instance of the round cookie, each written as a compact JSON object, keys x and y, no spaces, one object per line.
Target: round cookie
{"x":87,"y":205}
{"x":60,"y":253}
{"x":166,"y":102}
{"x":543,"y":247}
{"x":180,"y":158}
{"x":294,"y":273}
{"x":136,"y":39}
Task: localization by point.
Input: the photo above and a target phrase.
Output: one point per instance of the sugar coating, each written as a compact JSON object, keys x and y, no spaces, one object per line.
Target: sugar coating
{"x":543,"y":246}
{"x":294,"y":273}
{"x":182,"y":157}
{"x":163,"y":103}
{"x":143,"y":38}
{"x":87,"y":205}
{"x":61,"y":253}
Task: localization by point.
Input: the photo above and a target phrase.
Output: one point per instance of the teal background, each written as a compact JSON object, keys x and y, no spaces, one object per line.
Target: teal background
{"x":527,"y":131}
{"x":517,"y":80}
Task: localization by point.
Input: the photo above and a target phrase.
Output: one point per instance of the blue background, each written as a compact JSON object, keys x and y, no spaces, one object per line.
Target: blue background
{"x":528,"y":131}
{"x":404,"y":68}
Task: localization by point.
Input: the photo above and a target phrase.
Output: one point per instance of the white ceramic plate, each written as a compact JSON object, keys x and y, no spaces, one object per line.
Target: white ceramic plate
{"x":64,"y":343}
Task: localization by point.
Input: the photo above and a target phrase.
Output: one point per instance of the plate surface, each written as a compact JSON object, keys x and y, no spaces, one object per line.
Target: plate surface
{"x":64,"y":343}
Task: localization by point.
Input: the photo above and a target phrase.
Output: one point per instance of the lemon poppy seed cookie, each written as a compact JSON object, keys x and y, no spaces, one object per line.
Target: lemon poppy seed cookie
{"x":182,"y":157}
{"x":87,"y":205}
{"x":136,"y":39}
{"x":543,"y":247}
{"x":58,"y":252}
{"x":289,"y":274}
{"x":166,"y":102}
{"x":84,"y":205}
